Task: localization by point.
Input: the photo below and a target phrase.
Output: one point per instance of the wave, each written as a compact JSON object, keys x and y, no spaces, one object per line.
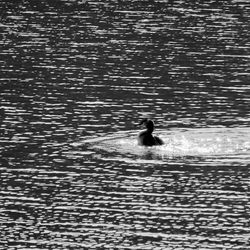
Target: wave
{"x":208,"y":144}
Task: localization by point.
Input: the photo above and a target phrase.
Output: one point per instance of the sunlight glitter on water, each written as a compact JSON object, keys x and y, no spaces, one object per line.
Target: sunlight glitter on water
{"x":73,"y":73}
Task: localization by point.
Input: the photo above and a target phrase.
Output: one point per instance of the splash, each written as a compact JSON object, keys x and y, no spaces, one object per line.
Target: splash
{"x":206,"y":143}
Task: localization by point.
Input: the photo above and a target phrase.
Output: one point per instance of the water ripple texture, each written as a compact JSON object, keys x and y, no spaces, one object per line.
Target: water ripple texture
{"x":76,"y":77}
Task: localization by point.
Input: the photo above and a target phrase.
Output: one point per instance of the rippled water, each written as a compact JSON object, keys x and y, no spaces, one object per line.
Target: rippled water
{"x":75,"y":79}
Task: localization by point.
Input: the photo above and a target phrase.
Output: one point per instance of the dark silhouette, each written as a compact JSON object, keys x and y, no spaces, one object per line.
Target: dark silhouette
{"x":145,"y":138}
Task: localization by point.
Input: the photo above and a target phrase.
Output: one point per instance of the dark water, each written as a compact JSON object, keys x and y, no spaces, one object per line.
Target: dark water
{"x":76,"y":76}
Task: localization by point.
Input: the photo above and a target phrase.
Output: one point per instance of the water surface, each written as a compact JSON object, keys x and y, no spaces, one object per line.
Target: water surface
{"x":75,"y":79}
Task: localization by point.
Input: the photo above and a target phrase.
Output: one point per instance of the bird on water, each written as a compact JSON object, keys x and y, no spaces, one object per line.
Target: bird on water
{"x":145,"y":138}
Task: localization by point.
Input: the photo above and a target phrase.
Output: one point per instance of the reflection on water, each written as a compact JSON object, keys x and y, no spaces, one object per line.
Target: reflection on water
{"x":75,"y":76}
